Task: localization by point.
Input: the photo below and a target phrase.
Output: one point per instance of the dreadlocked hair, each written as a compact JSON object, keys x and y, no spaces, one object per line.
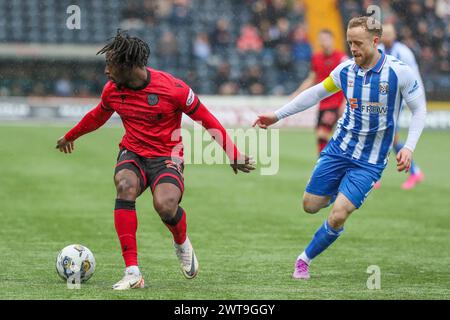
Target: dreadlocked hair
{"x":126,"y":51}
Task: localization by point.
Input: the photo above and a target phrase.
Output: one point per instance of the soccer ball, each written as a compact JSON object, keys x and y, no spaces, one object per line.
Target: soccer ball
{"x":75,"y":263}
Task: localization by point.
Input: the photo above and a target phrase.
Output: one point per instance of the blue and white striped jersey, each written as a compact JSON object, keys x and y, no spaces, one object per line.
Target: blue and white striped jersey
{"x":365,"y":132}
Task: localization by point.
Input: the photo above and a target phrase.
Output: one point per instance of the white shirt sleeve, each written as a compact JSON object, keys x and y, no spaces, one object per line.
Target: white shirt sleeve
{"x":413,"y":92}
{"x":410,"y":85}
{"x":419,"y":113}
{"x":303,"y":101}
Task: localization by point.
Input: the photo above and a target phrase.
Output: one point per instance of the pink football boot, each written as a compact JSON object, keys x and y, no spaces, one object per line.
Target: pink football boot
{"x":301,"y":270}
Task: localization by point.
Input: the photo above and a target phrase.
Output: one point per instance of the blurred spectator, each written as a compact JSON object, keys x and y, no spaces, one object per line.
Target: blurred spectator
{"x":38,"y":90}
{"x":259,"y":12}
{"x":132,"y":16}
{"x":228,"y":88}
{"x":181,"y":13}
{"x":252,"y":81}
{"x":221,"y":37}
{"x":443,"y":9}
{"x":63,"y":87}
{"x":222,"y":75}
{"x":202,"y":48}
{"x":302,"y":50}
{"x":249,"y":40}
{"x":277,"y":9}
{"x":168,"y":50}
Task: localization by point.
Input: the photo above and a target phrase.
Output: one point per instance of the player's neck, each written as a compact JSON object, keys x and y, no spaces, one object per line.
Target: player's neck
{"x":140,"y":78}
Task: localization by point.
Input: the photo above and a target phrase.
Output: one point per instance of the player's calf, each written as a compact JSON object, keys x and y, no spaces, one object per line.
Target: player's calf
{"x":340,"y":212}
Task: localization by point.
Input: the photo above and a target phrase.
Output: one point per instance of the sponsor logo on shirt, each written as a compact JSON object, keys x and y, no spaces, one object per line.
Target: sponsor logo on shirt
{"x":368,"y":107}
{"x":414,"y":88}
{"x":374,"y":107}
{"x":353,"y":103}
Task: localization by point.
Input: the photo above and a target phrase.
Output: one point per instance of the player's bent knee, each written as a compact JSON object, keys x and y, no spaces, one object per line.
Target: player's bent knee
{"x":166,"y":207}
{"x":310,"y":207}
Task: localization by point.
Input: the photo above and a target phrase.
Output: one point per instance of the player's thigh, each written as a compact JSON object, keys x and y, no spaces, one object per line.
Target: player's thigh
{"x":128,"y":186}
{"x":358,"y":182}
{"x":129,"y":174}
{"x":326,"y":176}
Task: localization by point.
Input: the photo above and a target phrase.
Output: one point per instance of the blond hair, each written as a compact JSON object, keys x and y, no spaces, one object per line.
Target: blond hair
{"x":369,"y":24}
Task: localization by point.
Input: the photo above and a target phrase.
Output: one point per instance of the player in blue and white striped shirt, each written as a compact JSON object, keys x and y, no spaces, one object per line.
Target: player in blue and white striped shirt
{"x":391,"y":46}
{"x":375,"y":86}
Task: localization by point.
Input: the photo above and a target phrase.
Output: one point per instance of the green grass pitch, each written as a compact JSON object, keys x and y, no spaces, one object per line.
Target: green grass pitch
{"x":247,"y":229}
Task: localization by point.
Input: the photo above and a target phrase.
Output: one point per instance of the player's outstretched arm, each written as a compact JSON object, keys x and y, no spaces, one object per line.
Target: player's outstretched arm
{"x":303,"y":101}
{"x":93,"y":120}
{"x":239,"y":162}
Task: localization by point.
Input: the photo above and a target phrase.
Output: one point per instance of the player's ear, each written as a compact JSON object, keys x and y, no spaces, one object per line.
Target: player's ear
{"x":376,"y":41}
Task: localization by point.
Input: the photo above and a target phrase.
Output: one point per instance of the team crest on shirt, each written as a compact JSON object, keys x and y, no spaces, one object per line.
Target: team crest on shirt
{"x":384,"y":88}
{"x":152,"y":99}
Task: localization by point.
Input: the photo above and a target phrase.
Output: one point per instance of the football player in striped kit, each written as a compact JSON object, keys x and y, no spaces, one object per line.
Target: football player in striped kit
{"x":375,"y":86}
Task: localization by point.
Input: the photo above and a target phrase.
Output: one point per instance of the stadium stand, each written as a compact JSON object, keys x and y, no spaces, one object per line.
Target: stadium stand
{"x":248,"y":47}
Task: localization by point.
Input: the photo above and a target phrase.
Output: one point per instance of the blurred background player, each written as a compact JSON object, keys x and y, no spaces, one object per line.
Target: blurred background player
{"x":322,"y":63}
{"x":399,"y":50}
{"x":150,"y":103}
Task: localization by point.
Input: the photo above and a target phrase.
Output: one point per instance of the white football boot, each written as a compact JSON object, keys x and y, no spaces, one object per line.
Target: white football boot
{"x":188,"y":260}
{"x":131,"y":280}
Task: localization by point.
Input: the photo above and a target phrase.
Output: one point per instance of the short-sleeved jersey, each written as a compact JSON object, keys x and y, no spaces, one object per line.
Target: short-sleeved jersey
{"x":152,"y":114}
{"x":322,"y":65}
{"x":374,"y":97}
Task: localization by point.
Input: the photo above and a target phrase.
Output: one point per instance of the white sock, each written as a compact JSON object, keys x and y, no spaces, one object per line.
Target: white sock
{"x":304,"y":257}
{"x":133,"y":270}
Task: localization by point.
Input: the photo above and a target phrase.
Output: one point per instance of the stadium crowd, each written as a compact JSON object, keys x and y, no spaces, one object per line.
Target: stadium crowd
{"x":253,"y":47}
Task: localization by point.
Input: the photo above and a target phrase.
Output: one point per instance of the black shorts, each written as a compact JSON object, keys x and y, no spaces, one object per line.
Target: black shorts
{"x":327,"y":118}
{"x":152,"y":171}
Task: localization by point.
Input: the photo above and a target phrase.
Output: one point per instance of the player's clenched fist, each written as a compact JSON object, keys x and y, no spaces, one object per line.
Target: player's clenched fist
{"x":64,"y":145}
{"x":404,"y":158}
{"x":265,"y":120}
